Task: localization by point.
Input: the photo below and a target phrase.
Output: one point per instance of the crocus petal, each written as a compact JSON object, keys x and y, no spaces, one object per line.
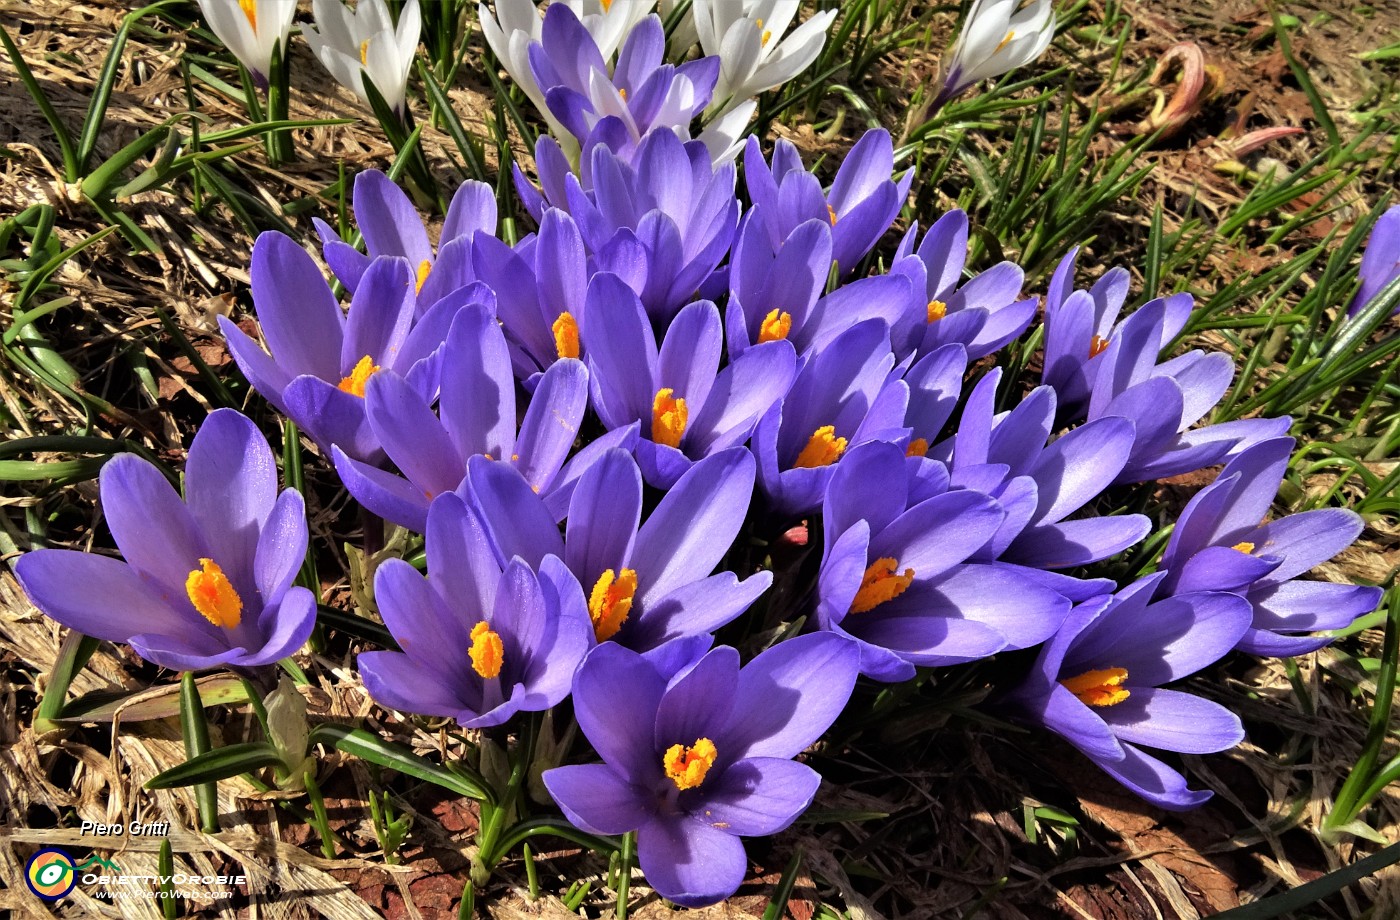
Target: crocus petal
{"x":391,"y":497}
{"x":697,"y":703}
{"x":1171,"y":639}
{"x":300,"y":319}
{"x":1173,"y":721}
{"x":230,"y":486}
{"x":759,"y":796}
{"x":692,"y":528}
{"x":281,"y":547}
{"x":1077,"y":542}
{"x":388,"y":221}
{"x":690,"y":863}
{"x":1296,"y":606}
{"x":603,"y":516}
{"x":98,"y":596}
{"x":597,"y":800}
{"x":616,"y":695}
{"x":284,"y":628}
{"x":1153,"y":780}
{"x":1063,"y":713}
{"x":146,"y":515}
{"x":779,"y":708}
{"x":396,"y":681}
{"x":1306,"y":539}
{"x":519,"y":521}
{"x":412,"y":435}
{"x":331,"y":416}
{"x":699,"y":607}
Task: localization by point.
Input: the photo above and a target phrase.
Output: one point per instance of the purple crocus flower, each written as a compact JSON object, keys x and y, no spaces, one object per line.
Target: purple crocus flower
{"x":1220,"y":544}
{"x":539,"y":287}
{"x":694,"y":761}
{"x":1040,"y":486}
{"x":778,"y":295}
{"x":642,"y":94}
{"x":207,"y":581}
{"x":842,"y":397}
{"x":1079,"y":325}
{"x":982,"y":314}
{"x":476,"y":415}
{"x":480,"y":641}
{"x":663,"y":225}
{"x":1098,"y":684}
{"x":894,"y":574}
{"x":321,"y":357}
{"x":647,"y":581}
{"x":1165,"y":400}
{"x":860,"y":206}
{"x":391,"y":226}
{"x":687,"y":406}
{"x":1380,"y":262}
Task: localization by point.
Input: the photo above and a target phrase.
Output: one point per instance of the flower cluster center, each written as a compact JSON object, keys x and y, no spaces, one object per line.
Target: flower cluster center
{"x":213,"y":595}
{"x":881,"y":582}
{"x":354,"y":382}
{"x":1099,"y":688}
{"x":937,"y":309}
{"x":611,"y":602}
{"x":823,"y":449}
{"x":565,"y":330}
{"x":776,"y":325}
{"x":668,"y":417}
{"x":687,"y":766}
{"x":488,"y":653}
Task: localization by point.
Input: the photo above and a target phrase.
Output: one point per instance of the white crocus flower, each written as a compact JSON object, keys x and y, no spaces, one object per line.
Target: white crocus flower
{"x":997,"y":36}
{"x":364,"y":44}
{"x":516,"y":23}
{"x":748,"y":39}
{"x":725,"y":136}
{"x":250,"y":29}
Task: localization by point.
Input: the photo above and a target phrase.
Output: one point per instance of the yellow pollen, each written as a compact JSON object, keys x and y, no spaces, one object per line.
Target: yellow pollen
{"x":424,"y":268}
{"x":763,"y":42}
{"x":1005,"y":41}
{"x":364,"y":55}
{"x":775,"y":326}
{"x":823,"y":449}
{"x":831,"y":214}
{"x":687,"y":766}
{"x":937,"y":309}
{"x":487,"y":651}
{"x":917,"y":448}
{"x":1099,"y":688}
{"x":881,"y":583}
{"x":354,"y":384}
{"x":1097,"y":345}
{"x":566,"y":336}
{"x":250,"y":9}
{"x":1245,"y":547}
{"x":668,"y":418}
{"x":611,"y":601}
{"x":623,"y":93}
{"x":213,"y":595}
{"x":606,"y":4}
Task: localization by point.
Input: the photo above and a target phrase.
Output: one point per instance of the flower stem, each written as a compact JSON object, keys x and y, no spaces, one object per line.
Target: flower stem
{"x":624,"y":872}
{"x":196,"y":735}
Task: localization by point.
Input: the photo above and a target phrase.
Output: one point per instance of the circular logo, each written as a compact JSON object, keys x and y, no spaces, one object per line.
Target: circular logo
{"x":50,"y":875}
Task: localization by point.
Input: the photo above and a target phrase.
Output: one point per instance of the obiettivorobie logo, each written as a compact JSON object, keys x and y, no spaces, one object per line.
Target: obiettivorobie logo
{"x":51,"y":874}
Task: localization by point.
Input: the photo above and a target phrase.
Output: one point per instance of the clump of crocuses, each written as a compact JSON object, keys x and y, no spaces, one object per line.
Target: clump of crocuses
{"x":613,"y":429}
